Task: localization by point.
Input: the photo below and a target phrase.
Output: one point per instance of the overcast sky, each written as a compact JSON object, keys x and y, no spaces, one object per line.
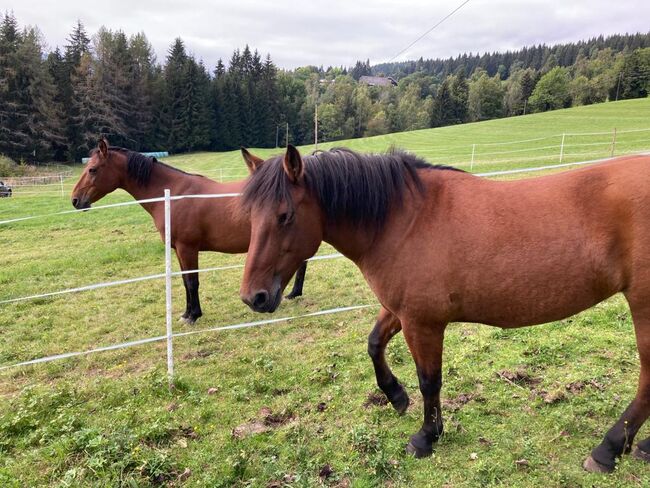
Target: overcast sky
{"x":338,"y":32}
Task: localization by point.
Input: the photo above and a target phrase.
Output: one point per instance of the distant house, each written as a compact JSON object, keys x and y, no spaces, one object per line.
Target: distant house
{"x":377,"y":81}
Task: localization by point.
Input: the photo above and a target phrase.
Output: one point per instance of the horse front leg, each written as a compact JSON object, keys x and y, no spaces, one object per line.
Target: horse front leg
{"x":298,"y":282}
{"x":386,"y":326}
{"x":425,"y":343}
{"x":619,"y":439}
{"x":188,"y":258}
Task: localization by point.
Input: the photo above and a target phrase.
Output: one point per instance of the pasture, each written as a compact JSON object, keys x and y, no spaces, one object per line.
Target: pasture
{"x":294,"y":403}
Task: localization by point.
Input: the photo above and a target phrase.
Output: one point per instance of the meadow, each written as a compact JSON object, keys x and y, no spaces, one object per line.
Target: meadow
{"x":295,"y":403}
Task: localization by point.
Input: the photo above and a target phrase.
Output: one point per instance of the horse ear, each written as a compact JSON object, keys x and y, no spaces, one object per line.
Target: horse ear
{"x":293,"y":165}
{"x":103,"y":147}
{"x":253,"y":162}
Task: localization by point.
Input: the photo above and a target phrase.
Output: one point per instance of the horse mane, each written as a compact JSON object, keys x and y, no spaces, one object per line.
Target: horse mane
{"x":360,"y":188}
{"x":139,"y":166}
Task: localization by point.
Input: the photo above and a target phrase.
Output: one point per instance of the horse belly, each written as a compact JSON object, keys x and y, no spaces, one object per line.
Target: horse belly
{"x":523,"y":289}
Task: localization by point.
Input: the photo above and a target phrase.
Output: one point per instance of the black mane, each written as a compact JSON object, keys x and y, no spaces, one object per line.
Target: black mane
{"x":139,"y":166}
{"x":360,"y":188}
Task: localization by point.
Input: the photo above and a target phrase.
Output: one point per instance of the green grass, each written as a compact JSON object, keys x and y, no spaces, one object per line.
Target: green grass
{"x":108,"y":419}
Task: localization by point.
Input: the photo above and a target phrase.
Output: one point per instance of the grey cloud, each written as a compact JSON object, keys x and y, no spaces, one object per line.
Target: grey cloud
{"x":339,"y":32}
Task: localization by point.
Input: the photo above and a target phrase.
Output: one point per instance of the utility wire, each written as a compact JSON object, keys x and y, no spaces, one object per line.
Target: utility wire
{"x":427,"y":32}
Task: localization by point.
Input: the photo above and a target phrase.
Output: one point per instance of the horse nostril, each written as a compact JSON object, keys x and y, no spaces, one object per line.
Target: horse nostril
{"x":74,"y":202}
{"x":260,"y":300}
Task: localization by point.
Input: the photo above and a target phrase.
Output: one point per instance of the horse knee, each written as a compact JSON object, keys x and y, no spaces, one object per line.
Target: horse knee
{"x":430,"y":383}
{"x":375,"y":347}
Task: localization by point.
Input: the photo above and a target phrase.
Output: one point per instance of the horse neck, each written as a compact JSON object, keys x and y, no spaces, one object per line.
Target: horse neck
{"x":354,"y":242}
{"x":363,"y":244}
{"x":162,"y":178}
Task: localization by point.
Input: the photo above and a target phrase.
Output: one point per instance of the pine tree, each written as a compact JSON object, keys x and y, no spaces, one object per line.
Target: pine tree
{"x":44,"y":120}
{"x":174,"y":97}
{"x":78,"y":46}
{"x":14,"y":138}
{"x":220,"y":135}
{"x":195,"y":112}
{"x":444,"y":107}
{"x":143,"y":95}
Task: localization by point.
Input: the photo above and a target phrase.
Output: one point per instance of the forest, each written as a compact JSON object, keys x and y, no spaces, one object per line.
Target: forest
{"x":54,"y":104}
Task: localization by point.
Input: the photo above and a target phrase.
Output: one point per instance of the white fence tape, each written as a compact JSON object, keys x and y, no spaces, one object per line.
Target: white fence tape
{"x":141,"y":278}
{"x":121,"y":204}
{"x":149,"y":340}
{"x":169,"y":334}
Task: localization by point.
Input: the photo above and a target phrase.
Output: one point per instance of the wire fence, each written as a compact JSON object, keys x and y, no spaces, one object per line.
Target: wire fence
{"x":558,"y":148}
{"x":167,"y":199}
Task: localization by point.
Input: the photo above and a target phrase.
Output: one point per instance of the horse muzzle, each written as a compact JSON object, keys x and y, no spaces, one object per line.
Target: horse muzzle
{"x":80,"y":203}
{"x":264,"y":301}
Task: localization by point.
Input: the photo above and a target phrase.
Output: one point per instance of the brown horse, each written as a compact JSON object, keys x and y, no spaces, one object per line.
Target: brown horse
{"x":210,"y":224}
{"x":438,"y":245}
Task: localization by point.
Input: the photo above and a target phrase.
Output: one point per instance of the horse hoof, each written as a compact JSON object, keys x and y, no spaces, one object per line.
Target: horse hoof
{"x":637,"y":453}
{"x":401,"y":402}
{"x":418,"y":452}
{"x":187,"y":320}
{"x":292,"y":295}
{"x":593,"y":466}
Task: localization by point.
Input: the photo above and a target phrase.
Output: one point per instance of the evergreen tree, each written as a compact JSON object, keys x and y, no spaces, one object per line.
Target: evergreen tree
{"x":14,"y":112}
{"x":195,"y":109}
{"x":444,"y":106}
{"x":43,"y":123}
{"x":78,"y":46}
{"x":172,"y":117}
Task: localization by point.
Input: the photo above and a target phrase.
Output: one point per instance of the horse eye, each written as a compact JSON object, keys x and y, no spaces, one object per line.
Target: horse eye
{"x":282,"y":219}
{"x":92,"y":171}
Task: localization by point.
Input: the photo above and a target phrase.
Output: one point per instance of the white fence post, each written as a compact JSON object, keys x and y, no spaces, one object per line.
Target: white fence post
{"x":471,"y":164}
{"x":562,"y":148}
{"x":61,"y":181}
{"x":613,"y":143}
{"x":168,"y":287}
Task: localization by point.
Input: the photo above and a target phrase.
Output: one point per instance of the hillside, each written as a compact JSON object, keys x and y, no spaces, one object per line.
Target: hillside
{"x":497,"y":141}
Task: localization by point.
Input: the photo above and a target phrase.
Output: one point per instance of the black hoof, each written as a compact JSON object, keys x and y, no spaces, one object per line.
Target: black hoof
{"x":638,"y":453}
{"x":593,"y":466}
{"x":419,"y":447}
{"x":400,"y":401}
{"x":419,"y":453}
{"x":293,"y":295}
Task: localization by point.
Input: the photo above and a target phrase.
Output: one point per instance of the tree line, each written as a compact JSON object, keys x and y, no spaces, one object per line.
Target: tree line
{"x":53,"y":105}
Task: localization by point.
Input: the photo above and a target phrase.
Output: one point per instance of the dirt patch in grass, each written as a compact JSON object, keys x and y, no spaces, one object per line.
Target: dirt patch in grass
{"x":375,"y":399}
{"x":200,"y":354}
{"x":577,"y":386}
{"x":520,"y":377}
{"x":265,"y":421}
{"x":455,"y":404}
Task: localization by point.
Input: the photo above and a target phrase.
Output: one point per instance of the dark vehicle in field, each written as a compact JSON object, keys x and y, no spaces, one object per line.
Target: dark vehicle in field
{"x":5,"y":190}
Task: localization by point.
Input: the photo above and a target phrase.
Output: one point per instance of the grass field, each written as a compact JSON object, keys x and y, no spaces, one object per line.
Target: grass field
{"x":292,"y":403}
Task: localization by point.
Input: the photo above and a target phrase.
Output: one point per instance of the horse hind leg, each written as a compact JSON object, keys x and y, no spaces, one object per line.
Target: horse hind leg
{"x":385,"y":328}
{"x":620,"y":437}
{"x":189,"y":259}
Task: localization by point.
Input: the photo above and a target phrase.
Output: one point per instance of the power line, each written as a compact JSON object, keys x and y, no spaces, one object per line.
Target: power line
{"x":427,"y":32}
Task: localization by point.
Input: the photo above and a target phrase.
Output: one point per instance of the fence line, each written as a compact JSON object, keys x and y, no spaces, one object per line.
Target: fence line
{"x":168,"y":274}
{"x":539,"y":168}
{"x":120,"y":204}
{"x":139,"y":279}
{"x":224,"y":195}
{"x":149,"y":340}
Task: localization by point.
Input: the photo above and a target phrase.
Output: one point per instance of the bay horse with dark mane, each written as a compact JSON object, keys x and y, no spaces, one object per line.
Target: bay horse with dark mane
{"x":207,"y":224}
{"x":438,"y":245}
